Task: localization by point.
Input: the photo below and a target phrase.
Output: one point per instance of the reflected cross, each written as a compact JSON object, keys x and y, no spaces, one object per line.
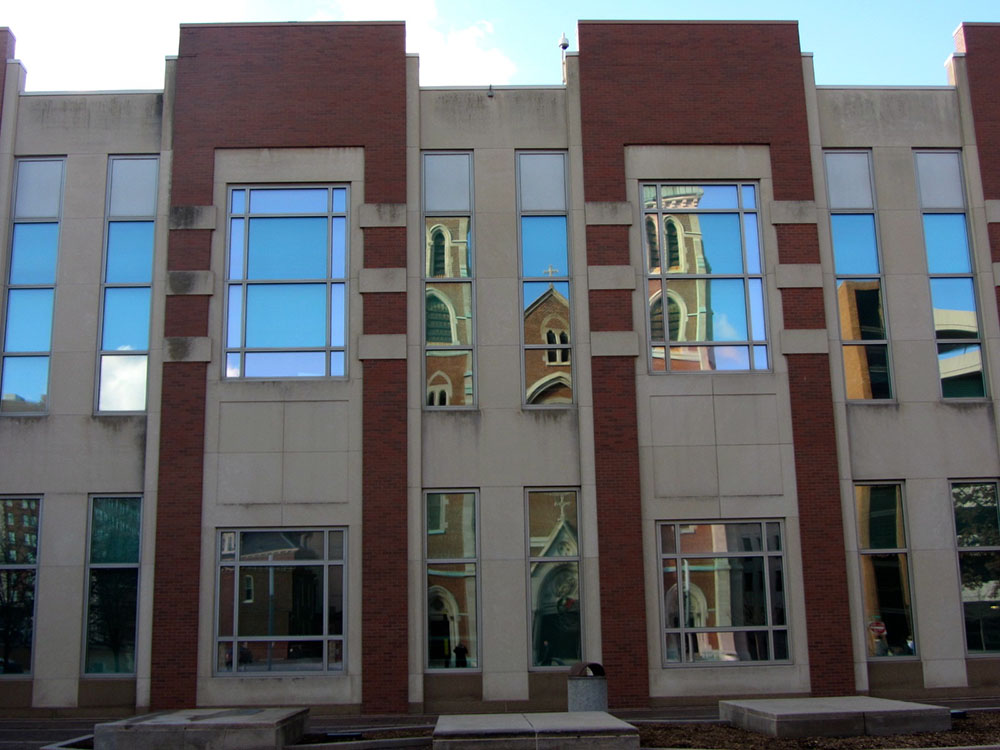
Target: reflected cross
{"x":551,"y":271}
{"x":561,"y":504}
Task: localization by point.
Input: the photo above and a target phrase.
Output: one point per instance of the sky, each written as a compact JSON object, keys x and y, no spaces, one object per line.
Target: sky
{"x":67,"y":45}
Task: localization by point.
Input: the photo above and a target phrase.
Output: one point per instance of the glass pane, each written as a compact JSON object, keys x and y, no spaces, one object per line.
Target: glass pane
{"x":448,"y":316}
{"x":18,"y":531}
{"x":234,"y":321}
{"x":555,"y":614}
{"x":887,"y":605}
{"x":446,"y":182}
{"x":39,"y":188}
{"x":285,"y":544}
{"x":338,"y":364}
{"x":447,"y":247}
{"x":285,"y":600}
{"x":278,"y":656}
{"x":17,"y":609}
{"x":724,"y":591}
{"x":751,"y":237}
{"x":29,"y":320}
{"x":449,"y":378}
{"x":291,"y":248}
{"x":721,"y":537}
{"x":543,"y":246}
{"x":283,"y":201}
{"x":285,"y":364}
{"x":232,"y":365}
{"x":25,"y":384}
{"x":757,"y":310}
{"x":717,"y":196}
{"x":114,"y":530}
{"x":749,"y":645}
{"x":947,"y":243}
{"x":548,"y":376}
{"x":706,"y":358}
{"x":849,"y":180}
{"x":780,"y":644}
{"x":335,"y":655}
{"x":954,"y":305}
{"x":126,"y":319}
{"x":855,"y":250}
{"x":224,"y":657}
{"x":976,"y":519}
{"x":239,"y":205}
{"x":336,"y":550}
{"x":939,"y":176}
{"x":866,"y":371}
{"x":552,"y":524}
{"x":33,"y":254}
{"x":773,"y":537}
{"x":335,"y":600}
{"x":649,"y":196}
{"x":651,"y":238}
{"x":111,"y":608}
{"x":776,"y":578}
{"x":338,"y":312}
{"x":452,"y":630}
{"x":880,"y":516}
{"x":671,"y":600}
{"x":236,"y":248}
{"x":760,"y":358}
{"x":981,"y":599}
{"x":340,"y":200}
{"x":451,"y":526}
{"x":286,"y":315}
{"x":133,"y":187}
{"x":130,"y":252}
{"x":748,"y":193}
{"x":668,"y":544}
{"x":673,"y":648}
{"x":716,"y":309}
{"x":338,"y":268}
{"x":226,"y":594}
{"x":542,"y":182}
{"x":861,"y":314}
{"x":961,"y":368}
{"x":720,"y":249}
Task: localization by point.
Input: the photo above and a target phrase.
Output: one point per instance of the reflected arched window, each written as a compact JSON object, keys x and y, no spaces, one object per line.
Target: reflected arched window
{"x":673,"y":319}
{"x":438,"y":322}
{"x":673,"y":246}
{"x":438,"y":254}
{"x":564,"y":353}
{"x":652,"y":242}
{"x":553,"y":354}
{"x":656,"y":330}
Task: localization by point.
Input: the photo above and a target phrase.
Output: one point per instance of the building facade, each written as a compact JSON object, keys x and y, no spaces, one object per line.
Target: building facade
{"x":323,"y":388}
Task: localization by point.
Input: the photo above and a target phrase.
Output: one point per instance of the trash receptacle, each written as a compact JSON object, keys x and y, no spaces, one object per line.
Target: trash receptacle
{"x":587,"y":688}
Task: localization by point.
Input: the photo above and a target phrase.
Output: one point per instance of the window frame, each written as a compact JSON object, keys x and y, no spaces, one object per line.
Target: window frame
{"x":223,"y":547}
{"x":750,"y":345}
{"x":89,"y":566}
{"x":428,"y":561}
{"x":34,"y":567}
{"x":244,"y":283}
{"x":765,"y":554}
{"x":8,"y":286}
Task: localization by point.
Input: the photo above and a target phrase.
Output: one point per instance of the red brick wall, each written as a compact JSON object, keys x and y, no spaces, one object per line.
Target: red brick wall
{"x":714,"y":84}
{"x":279,"y":86}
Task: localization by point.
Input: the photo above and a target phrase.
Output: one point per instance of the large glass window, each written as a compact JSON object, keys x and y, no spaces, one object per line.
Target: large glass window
{"x":554,"y":572}
{"x":885,"y":580}
{"x":452,"y":556}
{"x":113,"y":585}
{"x":705,"y":286}
{"x":861,"y":309}
{"x":723,"y":592}
{"x":545,"y":278}
{"x":18,"y":573}
{"x":287,"y":290}
{"x":449,"y":330}
{"x":128,"y":277}
{"x":977,"y":523}
{"x":281,"y":598}
{"x":949,"y":263}
{"x":31,"y":286}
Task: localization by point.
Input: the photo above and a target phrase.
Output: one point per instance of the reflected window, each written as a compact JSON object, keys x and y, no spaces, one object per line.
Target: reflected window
{"x":949,"y":263}
{"x":704,"y":251}
{"x":977,"y":524}
{"x":723,"y":592}
{"x":127,"y":289}
{"x":452,"y":556}
{"x":449,"y":331}
{"x":554,"y":573}
{"x":287,"y":282}
{"x":280,"y":601}
{"x":18,"y":574}
{"x":31,"y":282}
{"x":113,"y":585}
{"x":545,"y":279}
{"x":853,"y":227}
{"x":885,"y":579}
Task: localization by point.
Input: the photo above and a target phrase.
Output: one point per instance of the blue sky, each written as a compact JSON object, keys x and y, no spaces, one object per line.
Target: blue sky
{"x":120,"y":44}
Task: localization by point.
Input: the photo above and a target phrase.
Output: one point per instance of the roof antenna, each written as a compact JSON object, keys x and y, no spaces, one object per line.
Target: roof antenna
{"x":564,"y":45}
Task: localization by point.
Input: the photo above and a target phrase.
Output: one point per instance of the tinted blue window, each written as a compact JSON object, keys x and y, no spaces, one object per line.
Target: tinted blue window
{"x":25,"y":381}
{"x":720,"y":236}
{"x":285,"y":364}
{"x":289,"y":201}
{"x":126,"y":319}
{"x":286,"y":315}
{"x":29,"y":320}
{"x":293,"y":248}
{"x":854,"y":246}
{"x":130,"y":252}
{"x":33,"y":256}
{"x":339,"y":267}
{"x":718,"y":196}
{"x":337,"y":315}
{"x":947,"y":243}
{"x":543,"y":243}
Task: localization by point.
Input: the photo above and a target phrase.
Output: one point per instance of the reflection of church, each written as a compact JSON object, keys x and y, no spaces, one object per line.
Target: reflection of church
{"x":448,"y":318}
{"x":547,"y":372}
{"x":555,"y":580}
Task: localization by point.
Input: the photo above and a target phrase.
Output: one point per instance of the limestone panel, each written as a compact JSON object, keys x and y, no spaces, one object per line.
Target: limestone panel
{"x":315,"y":477}
{"x":750,"y":470}
{"x":746,"y":420}
{"x":250,"y":427}
{"x":685,"y":472}
{"x":249,"y":477}
{"x":316,"y":426}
